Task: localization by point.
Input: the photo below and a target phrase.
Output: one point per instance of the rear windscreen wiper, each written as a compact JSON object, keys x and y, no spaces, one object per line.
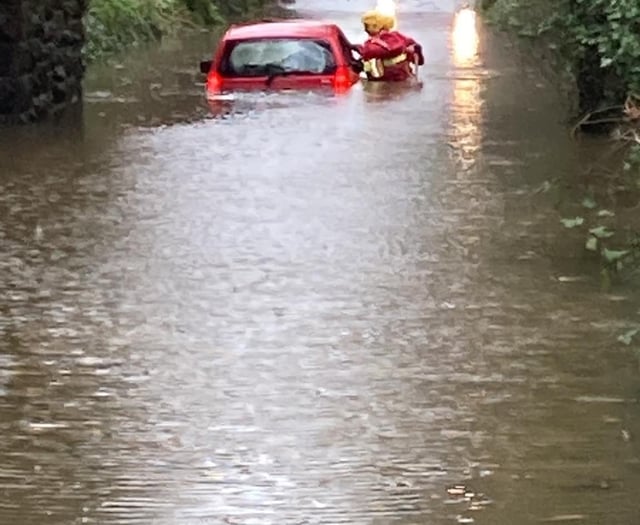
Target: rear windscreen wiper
{"x":262,"y":69}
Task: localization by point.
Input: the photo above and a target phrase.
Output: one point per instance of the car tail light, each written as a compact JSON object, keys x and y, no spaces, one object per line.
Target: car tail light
{"x":214,"y":81}
{"x":342,"y":78}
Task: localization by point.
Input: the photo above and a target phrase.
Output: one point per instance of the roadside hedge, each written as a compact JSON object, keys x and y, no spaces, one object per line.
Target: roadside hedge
{"x":599,"y":39}
{"x":113,"y":25}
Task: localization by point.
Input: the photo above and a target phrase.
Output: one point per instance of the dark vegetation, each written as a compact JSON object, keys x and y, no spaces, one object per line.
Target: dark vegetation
{"x":598,"y":40}
{"x":114,"y":25}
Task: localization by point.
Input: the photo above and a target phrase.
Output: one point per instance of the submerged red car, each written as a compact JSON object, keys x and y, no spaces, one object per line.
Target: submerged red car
{"x":284,"y":54}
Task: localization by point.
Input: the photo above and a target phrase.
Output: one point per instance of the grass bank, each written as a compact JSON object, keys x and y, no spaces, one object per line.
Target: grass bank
{"x":115,"y":25}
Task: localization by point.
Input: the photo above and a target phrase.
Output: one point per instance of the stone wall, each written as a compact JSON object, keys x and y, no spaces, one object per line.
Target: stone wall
{"x":41,"y":65}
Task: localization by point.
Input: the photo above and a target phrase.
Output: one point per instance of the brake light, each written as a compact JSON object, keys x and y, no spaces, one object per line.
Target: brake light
{"x":214,"y":81}
{"x":342,"y":78}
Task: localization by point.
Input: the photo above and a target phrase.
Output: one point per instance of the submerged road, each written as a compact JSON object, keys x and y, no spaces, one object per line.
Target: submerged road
{"x":314,"y":310}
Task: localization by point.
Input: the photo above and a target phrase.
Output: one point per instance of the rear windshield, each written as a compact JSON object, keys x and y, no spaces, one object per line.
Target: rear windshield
{"x":250,"y":58}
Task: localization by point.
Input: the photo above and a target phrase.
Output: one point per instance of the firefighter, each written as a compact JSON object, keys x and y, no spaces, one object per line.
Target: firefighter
{"x":387,"y":54}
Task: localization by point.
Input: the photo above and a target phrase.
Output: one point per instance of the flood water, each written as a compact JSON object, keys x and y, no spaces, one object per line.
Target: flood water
{"x":309,"y":309}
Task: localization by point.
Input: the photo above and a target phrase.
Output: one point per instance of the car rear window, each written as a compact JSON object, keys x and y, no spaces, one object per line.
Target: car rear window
{"x":260,"y":57}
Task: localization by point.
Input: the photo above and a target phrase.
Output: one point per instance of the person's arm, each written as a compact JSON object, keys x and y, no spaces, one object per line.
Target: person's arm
{"x":415,"y":50}
{"x":379,"y":48}
{"x":357,"y":48}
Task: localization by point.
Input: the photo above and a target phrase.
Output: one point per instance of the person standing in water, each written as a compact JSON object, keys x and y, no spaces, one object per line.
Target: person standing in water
{"x":387,"y":55}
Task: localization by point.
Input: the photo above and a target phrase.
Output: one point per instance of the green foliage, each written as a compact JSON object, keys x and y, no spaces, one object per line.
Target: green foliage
{"x":601,"y":232}
{"x":627,"y":337}
{"x":612,"y":28}
{"x":204,"y":11}
{"x":604,"y":31}
{"x":113,"y":25}
{"x":632,"y":162}
{"x":589,"y":203}
{"x":572,"y":223}
{"x":615,"y":256}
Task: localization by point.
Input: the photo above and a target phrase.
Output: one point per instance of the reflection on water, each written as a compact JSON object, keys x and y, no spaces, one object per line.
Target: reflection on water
{"x":304,"y":312}
{"x":467,"y":89}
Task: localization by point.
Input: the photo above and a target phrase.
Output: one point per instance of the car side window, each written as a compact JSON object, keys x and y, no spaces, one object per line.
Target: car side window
{"x":346,"y":47}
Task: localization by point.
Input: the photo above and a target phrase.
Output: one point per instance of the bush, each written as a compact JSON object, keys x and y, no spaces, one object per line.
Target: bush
{"x":599,"y":38}
{"x":113,"y":25}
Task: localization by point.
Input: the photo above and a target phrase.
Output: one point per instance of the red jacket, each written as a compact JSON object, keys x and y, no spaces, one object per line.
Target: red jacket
{"x":390,"y":45}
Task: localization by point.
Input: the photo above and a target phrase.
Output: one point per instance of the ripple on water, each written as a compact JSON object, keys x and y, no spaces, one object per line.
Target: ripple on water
{"x":7,"y":371}
{"x":314,"y":310}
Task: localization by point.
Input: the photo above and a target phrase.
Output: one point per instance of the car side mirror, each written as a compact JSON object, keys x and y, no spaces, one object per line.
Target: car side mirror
{"x":205,"y":66}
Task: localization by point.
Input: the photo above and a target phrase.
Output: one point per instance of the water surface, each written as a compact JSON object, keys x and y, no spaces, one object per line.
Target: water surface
{"x":307,"y":308}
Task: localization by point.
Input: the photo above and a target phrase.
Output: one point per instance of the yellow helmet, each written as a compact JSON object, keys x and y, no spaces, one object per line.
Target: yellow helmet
{"x":376,"y":21}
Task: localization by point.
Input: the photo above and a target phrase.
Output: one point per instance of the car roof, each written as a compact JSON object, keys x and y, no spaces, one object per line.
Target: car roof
{"x":283,"y":28}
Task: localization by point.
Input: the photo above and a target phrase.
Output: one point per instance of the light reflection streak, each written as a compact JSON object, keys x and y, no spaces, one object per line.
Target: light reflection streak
{"x":466,"y":114}
{"x":387,"y":7}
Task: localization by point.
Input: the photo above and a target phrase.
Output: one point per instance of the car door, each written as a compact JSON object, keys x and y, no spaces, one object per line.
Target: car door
{"x":346,"y":50}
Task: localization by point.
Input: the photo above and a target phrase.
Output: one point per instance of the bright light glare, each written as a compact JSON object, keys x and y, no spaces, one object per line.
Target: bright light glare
{"x":465,"y":37}
{"x":386,"y":7}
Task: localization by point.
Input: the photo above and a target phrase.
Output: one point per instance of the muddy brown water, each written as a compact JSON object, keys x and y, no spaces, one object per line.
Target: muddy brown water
{"x":309,"y":309}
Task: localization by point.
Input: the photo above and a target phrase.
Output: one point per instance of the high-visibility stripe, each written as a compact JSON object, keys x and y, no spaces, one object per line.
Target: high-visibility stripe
{"x":375,"y":67}
{"x":395,"y":60}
